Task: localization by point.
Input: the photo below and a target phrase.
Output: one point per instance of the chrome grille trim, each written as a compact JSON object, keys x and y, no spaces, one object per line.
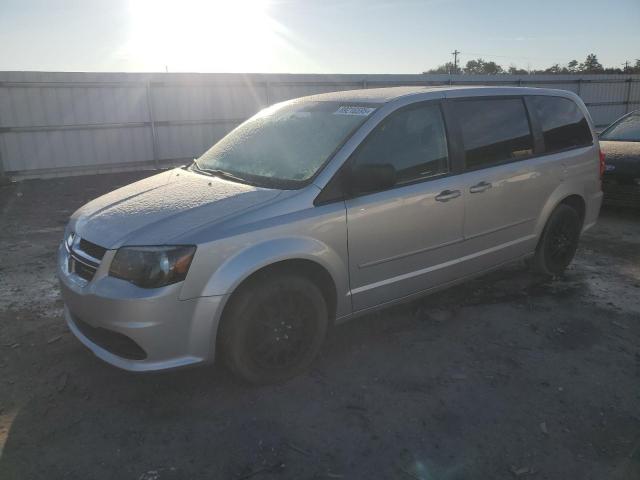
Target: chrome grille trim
{"x":89,"y":262}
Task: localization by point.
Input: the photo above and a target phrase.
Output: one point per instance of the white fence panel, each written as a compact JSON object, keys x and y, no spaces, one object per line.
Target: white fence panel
{"x":71,"y":123}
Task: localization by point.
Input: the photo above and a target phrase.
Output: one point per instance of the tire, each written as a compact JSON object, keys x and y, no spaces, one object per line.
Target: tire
{"x":273,"y":328}
{"x":558,"y":243}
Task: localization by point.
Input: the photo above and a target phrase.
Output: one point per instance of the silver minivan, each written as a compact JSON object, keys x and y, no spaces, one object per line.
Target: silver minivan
{"x":322,"y":208}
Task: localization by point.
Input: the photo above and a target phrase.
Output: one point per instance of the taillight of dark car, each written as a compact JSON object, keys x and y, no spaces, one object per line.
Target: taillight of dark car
{"x":602,"y":163}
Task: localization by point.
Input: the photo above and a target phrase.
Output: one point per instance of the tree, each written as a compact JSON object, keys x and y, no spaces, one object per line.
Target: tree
{"x":473,"y":66}
{"x":492,"y":68}
{"x":513,"y":70}
{"x":554,"y":69}
{"x":591,"y":64}
{"x":445,"y":68}
{"x":479,"y":67}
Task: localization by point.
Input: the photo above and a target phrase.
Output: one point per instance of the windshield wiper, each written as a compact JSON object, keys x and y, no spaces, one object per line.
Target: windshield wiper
{"x":223,"y":174}
{"x":255,"y":181}
{"x":218,"y":173}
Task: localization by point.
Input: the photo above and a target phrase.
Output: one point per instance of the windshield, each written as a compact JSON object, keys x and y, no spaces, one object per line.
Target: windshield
{"x":285,"y":145}
{"x":625,"y":130}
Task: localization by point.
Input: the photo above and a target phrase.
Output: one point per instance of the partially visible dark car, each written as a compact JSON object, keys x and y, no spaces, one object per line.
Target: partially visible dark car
{"x":620,"y":143}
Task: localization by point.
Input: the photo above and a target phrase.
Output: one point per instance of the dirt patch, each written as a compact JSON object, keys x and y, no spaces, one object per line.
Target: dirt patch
{"x":457,"y":385}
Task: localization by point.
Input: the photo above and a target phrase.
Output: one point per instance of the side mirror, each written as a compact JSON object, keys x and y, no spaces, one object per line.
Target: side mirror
{"x":372,"y":178}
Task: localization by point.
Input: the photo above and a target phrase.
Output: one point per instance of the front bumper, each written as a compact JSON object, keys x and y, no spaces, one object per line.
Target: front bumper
{"x":621,"y":192}
{"x":106,"y":313}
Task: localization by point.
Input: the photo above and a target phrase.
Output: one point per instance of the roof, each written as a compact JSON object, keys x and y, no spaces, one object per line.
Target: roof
{"x":370,"y":95}
{"x":388,"y":94}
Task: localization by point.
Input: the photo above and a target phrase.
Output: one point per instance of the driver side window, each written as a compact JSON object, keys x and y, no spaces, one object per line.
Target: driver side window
{"x":412,"y":141}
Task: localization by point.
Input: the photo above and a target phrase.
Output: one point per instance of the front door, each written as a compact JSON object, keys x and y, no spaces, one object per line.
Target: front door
{"x":404,"y":238}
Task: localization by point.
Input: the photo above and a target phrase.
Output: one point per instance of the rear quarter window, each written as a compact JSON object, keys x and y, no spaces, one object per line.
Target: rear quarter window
{"x":625,"y":130}
{"x":563,"y":124}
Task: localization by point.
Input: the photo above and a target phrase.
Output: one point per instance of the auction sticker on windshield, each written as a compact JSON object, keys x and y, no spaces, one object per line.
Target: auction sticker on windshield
{"x":347,"y":110}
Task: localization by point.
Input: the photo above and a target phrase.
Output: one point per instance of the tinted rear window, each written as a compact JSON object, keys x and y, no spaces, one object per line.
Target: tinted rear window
{"x":563,"y":124}
{"x":493,"y":131}
{"x":625,"y":130}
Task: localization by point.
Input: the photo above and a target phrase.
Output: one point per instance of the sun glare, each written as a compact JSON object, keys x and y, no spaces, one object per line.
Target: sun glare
{"x":201,"y":35}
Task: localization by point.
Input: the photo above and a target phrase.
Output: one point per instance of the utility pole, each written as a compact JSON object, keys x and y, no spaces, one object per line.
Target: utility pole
{"x":626,"y":66}
{"x":455,"y":60}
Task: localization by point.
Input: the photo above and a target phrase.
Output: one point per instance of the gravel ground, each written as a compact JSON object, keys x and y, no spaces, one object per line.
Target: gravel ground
{"x":508,"y":376}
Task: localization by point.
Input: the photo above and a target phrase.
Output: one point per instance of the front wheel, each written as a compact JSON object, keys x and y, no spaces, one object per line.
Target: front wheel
{"x":274,"y":328}
{"x":559,"y":241}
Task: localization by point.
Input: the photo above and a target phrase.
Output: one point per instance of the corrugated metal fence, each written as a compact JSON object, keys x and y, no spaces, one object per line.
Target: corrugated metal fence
{"x":70,"y":123}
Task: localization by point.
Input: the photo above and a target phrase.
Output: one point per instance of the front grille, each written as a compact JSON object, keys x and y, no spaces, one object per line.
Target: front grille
{"x":114,"y":342}
{"x":84,"y":258}
{"x":96,"y":251}
{"x":81,"y":269}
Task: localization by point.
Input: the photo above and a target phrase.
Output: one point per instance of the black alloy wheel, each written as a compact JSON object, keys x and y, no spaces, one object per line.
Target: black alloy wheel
{"x":273,"y":328}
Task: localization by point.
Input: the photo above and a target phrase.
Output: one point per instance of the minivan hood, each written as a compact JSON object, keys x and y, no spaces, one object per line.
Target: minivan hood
{"x":160,"y":209}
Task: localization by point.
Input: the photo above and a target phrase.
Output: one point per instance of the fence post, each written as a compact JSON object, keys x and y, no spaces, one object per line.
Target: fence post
{"x":266,"y":87}
{"x":580,"y":87}
{"x":627,"y":100}
{"x":154,"y":134}
{"x":3,"y":178}
{"x":364,"y":83}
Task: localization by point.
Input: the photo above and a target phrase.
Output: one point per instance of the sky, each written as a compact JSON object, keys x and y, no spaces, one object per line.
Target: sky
{"x":311,"y":36}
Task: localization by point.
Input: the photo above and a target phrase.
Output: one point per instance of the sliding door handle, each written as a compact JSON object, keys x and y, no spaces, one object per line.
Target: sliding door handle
{"x":447,"y":195}
{"x":480,"y":187}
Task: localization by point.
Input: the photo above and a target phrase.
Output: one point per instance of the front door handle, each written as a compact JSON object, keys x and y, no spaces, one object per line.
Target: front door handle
{"x":447,"y":195}
{"x":480,"y":187}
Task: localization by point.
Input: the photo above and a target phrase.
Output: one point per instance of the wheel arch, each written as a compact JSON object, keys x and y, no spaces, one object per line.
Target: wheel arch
{"x":576,"y":202}
{"x":306,"y":255}
{"x":563,"y":195}
{"x":311,"y":269}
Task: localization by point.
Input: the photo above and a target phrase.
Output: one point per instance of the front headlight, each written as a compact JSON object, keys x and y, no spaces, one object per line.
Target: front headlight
{"x":68,"y":240}
{"x":152,"y":267}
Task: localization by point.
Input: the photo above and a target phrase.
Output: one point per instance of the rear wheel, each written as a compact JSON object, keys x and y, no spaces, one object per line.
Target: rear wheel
{"x":559,"y":241}
{"x":274,"y":328}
